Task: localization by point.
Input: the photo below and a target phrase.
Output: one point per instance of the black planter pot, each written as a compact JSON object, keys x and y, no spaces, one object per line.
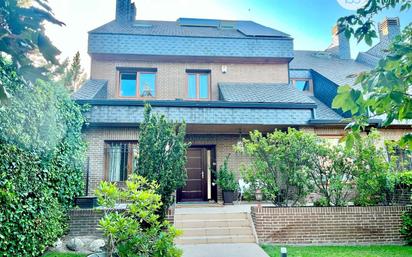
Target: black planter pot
{"x":228,"y":197}
{"x":86,"y":202}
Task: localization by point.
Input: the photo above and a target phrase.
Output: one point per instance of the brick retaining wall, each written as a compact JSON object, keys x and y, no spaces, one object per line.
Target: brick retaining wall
{"x":334,"y":225}
{"x":84,"y":222}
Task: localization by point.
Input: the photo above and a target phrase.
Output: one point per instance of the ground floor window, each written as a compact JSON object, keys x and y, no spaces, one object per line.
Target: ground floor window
{"x":121,"y":160}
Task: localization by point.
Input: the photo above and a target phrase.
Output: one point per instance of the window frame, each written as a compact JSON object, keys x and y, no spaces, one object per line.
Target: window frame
{"x":136,"y":71}
{"x":198,"y":73}
{"x":131,"y":144}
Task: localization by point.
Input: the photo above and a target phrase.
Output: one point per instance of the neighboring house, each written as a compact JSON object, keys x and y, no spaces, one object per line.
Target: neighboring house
{"x":224,"y":78}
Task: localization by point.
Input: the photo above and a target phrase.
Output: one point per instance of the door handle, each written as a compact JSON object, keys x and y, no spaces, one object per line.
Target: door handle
{"x":203,"y":174}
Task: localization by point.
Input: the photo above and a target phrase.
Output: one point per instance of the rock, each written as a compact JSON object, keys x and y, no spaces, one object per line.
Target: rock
{"x":97,"y":245}
{"x":74,"y":244}
{"x":58,"y":244}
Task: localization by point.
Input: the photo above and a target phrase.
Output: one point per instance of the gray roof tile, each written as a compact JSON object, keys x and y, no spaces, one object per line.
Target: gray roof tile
{"x":262,"y":93}
{"x":339,"y":71}
{"x":173,"y":28}
{"x":170,"y":39}
{"x":91,"y":89}
{"x":323,"y":112}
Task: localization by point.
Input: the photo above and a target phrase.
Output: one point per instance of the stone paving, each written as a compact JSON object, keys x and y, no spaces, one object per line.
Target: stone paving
{"x":223,"y":250}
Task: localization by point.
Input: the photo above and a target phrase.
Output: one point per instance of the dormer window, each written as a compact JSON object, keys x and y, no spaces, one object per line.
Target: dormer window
{"x":302,"y":84}
{"x":135,"y":83}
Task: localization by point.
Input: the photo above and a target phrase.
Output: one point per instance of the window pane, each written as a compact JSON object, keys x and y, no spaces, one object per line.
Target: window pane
{"x":128,"y":85}
{"x":115,"y":162}
{"x":302,"y":85}
{"x":204,"y":86}
{"x":191,"y":86}
{"x":147,"y":84}
{"x":119,"y":162}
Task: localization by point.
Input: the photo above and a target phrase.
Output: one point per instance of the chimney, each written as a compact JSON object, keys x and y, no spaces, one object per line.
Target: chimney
{"x":389,"y":28}
{"x":125,"y":11}
{"x":340,"y":46}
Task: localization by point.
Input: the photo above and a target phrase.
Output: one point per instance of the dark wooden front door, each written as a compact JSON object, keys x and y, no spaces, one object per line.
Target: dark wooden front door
{"x":196,"y":166}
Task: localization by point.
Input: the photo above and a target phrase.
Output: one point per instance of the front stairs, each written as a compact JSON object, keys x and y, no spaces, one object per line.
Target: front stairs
{"x":214,"y":228}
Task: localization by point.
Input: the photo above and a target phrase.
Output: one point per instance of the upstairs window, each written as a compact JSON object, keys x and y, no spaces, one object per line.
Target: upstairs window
{"x":302,"y":85}
{"x":121,"y":160}
{"x":198,"y":85}
{"x":128,"y":85}
{"x":137,"y":83}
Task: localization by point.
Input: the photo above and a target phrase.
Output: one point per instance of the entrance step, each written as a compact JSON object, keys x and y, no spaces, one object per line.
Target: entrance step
{"x":210,"y":228}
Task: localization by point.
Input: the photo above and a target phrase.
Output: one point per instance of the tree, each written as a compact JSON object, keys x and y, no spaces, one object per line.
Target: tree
{"x":279,"y":164}
{"x":162,"y":154}
{"x":71,"y":75}
{"x":384,"y":91}
{"x":23,"y":38}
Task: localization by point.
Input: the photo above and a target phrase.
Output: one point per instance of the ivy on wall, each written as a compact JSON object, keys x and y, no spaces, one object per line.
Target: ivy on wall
{"x":41,"y":160}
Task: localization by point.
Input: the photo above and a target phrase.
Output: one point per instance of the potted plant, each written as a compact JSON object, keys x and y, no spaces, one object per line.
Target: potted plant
{"x":226,"y":180}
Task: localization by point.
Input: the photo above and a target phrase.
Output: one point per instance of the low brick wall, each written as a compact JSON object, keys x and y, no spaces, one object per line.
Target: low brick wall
{"x":84,"y":222}
{"x":334,"y":225}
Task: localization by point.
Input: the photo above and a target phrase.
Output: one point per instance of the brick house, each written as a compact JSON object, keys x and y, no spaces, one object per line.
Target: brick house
{"x":224,"y":78}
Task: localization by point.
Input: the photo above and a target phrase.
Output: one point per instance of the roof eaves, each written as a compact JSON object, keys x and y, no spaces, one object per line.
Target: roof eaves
{"x":197,"y":104}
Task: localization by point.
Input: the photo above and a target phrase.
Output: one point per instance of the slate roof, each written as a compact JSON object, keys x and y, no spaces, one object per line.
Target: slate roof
{"x":166,"y":38}
{"x":173,"y":28}
{"x":377,"y":52}
{"x":323,"y":112}
{"x":123,"y":114}
{"x":339,"y":71}
{"x":91,"y":89}
{"x":262,"y":93}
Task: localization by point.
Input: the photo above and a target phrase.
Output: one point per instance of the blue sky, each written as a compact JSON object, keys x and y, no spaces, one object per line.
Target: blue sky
{"x":309,"y":22}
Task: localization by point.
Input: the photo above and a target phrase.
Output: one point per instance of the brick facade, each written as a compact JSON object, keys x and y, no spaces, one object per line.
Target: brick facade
{"x":334,"y":225}
{"x":96,"y":138}
{"x":171,"y":78}
{"x":85,"y":222}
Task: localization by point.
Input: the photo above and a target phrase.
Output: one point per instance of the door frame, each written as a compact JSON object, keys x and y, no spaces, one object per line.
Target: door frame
{"x":205,"y":188}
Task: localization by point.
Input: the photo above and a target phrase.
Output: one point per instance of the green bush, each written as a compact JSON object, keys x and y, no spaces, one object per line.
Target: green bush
{"x":330,"y":171}
{"x":41,"y":158}
{"x":406,"y":229}
{"x":225,"y":178}
{"x":371,"y":171}
{"x":279,"y":164}
{"x":137,"y":231}
{"x":162,"y":155}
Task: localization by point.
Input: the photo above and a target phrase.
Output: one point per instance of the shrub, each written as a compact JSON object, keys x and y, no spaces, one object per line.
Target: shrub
{"x":406,"y":229}
{"x":162,"y":155}
{"x":371,"y":171}
{"x":137,"y":231}
{"x":330,"y":171}
{"x":226,"y":179}
{"x":41,"y":162}
{"x":279,"y":164}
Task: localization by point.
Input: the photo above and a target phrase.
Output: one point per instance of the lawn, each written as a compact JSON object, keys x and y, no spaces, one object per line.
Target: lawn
{"x":341,"y":251}
{"x":55,"y":254}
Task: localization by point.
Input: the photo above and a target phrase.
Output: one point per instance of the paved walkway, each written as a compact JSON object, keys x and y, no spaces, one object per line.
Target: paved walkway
{"x":223,"y":250}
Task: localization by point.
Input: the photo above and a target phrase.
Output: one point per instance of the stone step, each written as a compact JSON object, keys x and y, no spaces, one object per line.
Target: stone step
{"x":211,"y":216}
{"x":217,"y":231}
{"x":183,"y":224}
{"x":215,"y":239}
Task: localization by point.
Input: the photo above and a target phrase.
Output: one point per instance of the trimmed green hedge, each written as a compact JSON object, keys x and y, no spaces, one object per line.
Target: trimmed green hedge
{"x":41,"y":160}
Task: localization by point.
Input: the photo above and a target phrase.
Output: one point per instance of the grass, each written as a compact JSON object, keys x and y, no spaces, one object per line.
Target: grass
{"x":341,"y":251}
{"x":56,"y":254}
